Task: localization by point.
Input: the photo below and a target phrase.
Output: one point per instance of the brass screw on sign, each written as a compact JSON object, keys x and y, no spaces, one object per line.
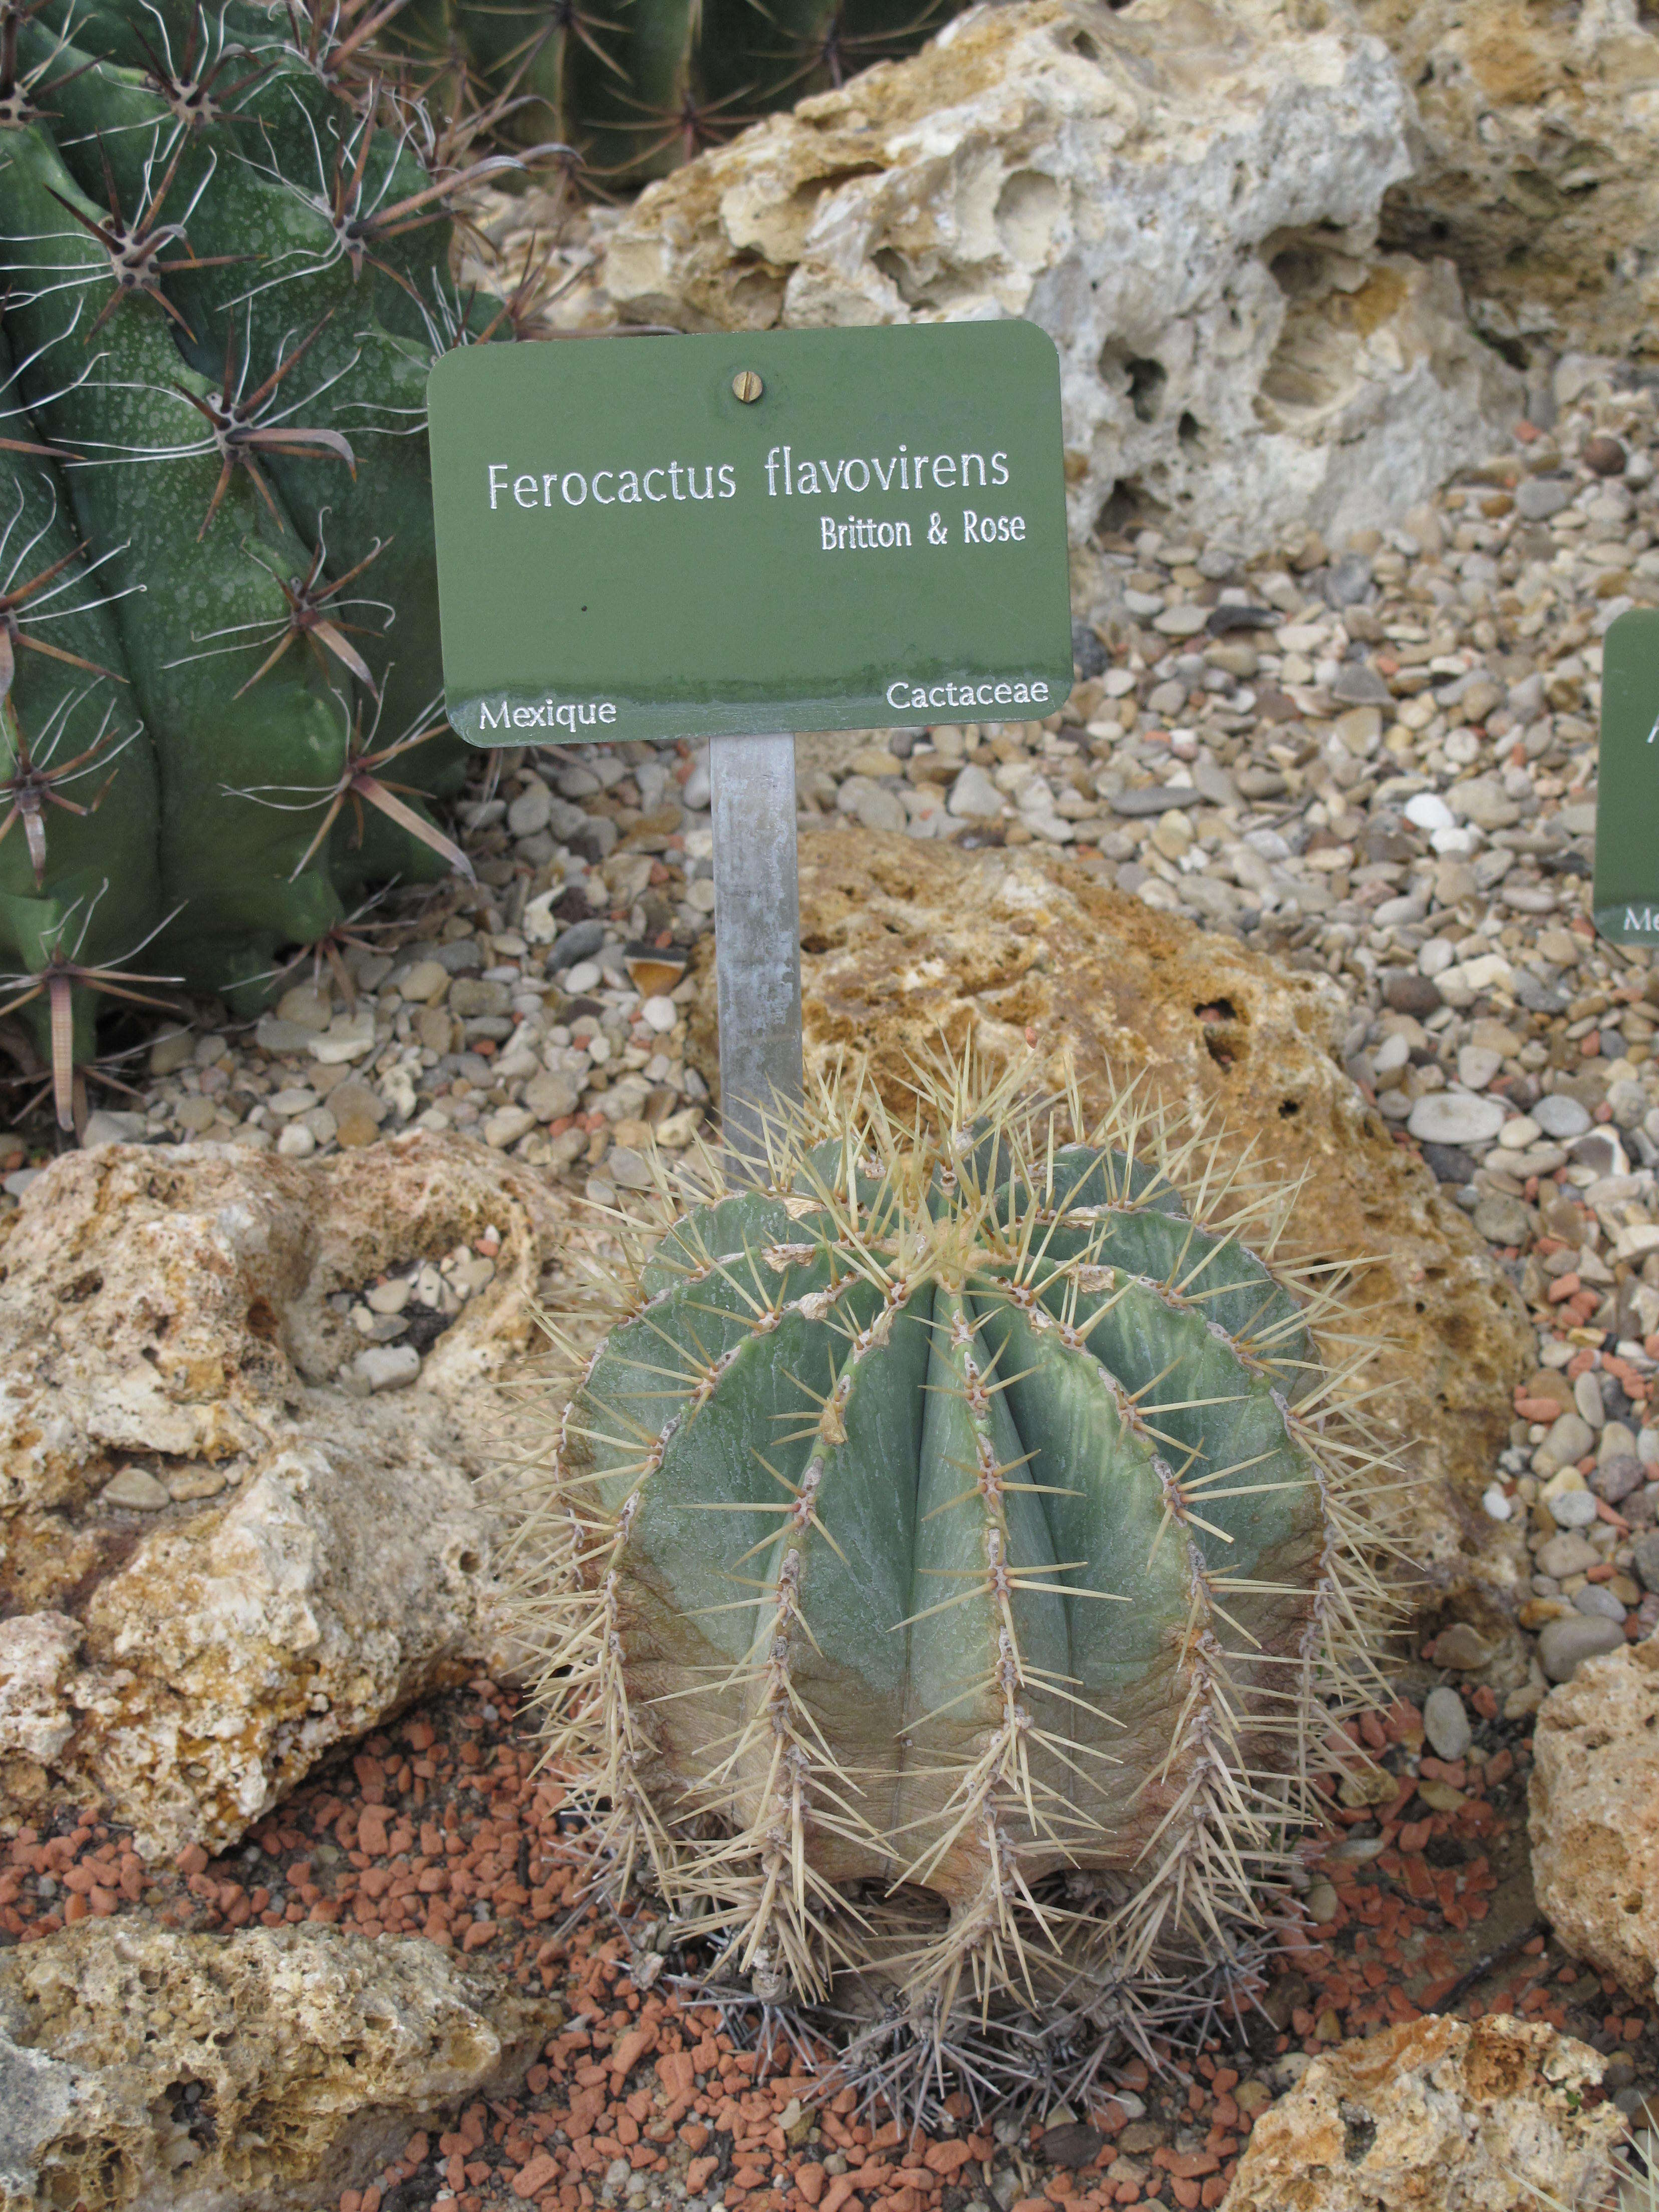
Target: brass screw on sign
{"x":747,"y":385}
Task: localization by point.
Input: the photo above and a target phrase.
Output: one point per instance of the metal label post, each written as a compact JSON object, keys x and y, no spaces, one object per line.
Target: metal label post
{"x":756,"y":941}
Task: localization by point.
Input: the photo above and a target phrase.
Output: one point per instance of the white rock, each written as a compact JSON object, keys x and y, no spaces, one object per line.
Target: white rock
{"x":583,"y":977}
{"x":296,"y":1142}
{"x":1496,"y":1503}
{"x":506,"y":1125}
{"x":659,"y":1014}
{"x":1427,"y":810}
{"x":388,"y":1366}
{"x":1573,"y":1509}
{"x":1191,"y":216}
{"x":975,"y":798}
{"x":1455,"y":1117}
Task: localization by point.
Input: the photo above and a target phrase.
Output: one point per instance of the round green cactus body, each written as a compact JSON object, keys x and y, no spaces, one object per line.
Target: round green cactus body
{"x":966,"y":1513}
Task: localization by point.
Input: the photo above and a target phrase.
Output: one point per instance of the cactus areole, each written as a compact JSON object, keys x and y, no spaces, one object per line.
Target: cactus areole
{"x":949,"y":1563}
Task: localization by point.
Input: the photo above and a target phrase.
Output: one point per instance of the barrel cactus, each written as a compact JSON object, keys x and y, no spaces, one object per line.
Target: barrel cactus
{"x":956,"y":1558}
{"x":637,"y":86}
{"x":226,"y":278}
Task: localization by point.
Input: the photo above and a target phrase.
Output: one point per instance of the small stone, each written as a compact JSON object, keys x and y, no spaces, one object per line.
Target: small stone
{"x":659,"y":1014}
{"x":305,"y":1007}
{"x":105,"y":1127}
{"x":1644,"y":1553}
{"x":1563,"y":1645}
{"x":472,"y":995}
{"x":196,"y":1114}
{"x":1455,"y":1117}
{"x":1427,"y":810}
{"x":425,"y":982}
{"x":186,"y":1483}
{"x":1446,"y":1723}
{"x":296,"y":1142}
{"x":551,"y":1095}
{"x":1476,"y":1064}
{"x":1587,"y":1398}
{"x":1597,"y":1602}
{"x":975,"y":798}
{"x":1450,"y":1163}
{"x":1570,"y":1439}
{"x":390,"y":1297}
{"x":388,"y":1366}
{"x":1495,"y":1502}
{"x":358,"y":1113}
{"x":628,"y":1168}
{"x":1461,"y":1647}
{"x":1358,"y":685}
{"x":1502,"y":1219}
{"x":1537,"y":498}
{"x":1603,"y":456}
{"x":172,"y":1050}
{"x":1566,"y":1554}
{"x":584,"y":976}
{"x":1559,"y":1116}
{"x":1573,"y":1509}
{"x":136,"y":1489}
{"x":506,"y":1125}
{"x":532,"y":809}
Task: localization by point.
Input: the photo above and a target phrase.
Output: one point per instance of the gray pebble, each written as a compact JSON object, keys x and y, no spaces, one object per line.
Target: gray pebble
{"x":1560,"y":1117}
{"x":1615,"y":1479}
{"x":1537,"y":498}
{"x":1564,"y":1644}
{"x":1455,"y":1117}
{"x":1502,"y":1219}
{"x":1573,"y":1509}
{"x":1569,"y":1553}
{"x":1645,"y":1552}
{"x":580,"y":942}
{"x":1598,"y":1603}
{"x":1446,"y":1723}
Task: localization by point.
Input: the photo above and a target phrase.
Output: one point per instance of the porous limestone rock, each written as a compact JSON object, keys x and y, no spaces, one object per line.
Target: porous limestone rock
{"x":1183,"y":193}
{"x":1462,"y":2116}
{"x":214,"y":1563}
{"x":1593,"y":1814}
{"x":1537,"y":163}
{"x":142,"y":2070}
{"x":905,"y":940}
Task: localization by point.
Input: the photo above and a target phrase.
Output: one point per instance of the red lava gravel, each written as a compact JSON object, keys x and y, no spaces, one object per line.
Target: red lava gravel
{"x":440,"y":1827}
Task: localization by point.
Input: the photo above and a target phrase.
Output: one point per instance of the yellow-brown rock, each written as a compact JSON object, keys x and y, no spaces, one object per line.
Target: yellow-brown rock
{"x":906,"y":941}
{"x":149,"y":2071}
{"x":215,"y":1563}
{"x":1438,"y":2115}
{"x":1537,"y":161}
{"x":1593,"y":1816}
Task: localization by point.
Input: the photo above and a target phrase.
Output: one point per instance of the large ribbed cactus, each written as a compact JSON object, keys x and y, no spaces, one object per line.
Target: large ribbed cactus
{"x":950,"y":1562}
{"x":225,"y":273}
{"x":638,"y":86}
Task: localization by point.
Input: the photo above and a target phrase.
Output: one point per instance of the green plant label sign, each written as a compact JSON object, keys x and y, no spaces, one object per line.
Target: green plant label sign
{"x":800,"y":530}
{"x":1627,"y":785}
